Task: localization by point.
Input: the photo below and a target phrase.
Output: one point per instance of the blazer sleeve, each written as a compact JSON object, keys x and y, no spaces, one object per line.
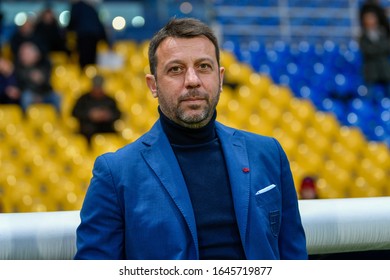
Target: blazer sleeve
{"x":292,"y":240}
{"x":100,"y":234}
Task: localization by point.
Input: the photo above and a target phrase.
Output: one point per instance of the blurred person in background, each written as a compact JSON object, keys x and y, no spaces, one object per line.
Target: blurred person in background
{"x":375,"y":48}
{"x":191,"y":187}
{"x":89,"y":30}
{"x":1,"y":25}
{"x":96,"y":111}
{"x":25,"y":33}
{"x":33,"y":76}
{"x":308,"y":188}
{"x":48,"y":30}
{"x":375,"y":7}
{"x":9,"y":91}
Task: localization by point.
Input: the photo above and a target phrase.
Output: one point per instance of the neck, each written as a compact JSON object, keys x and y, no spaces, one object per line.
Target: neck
{"x":180,"y":135}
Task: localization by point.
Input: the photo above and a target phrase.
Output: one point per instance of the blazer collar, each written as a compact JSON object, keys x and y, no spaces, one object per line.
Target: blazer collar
{"x":160,"y":157}
{"x":237,"y":163}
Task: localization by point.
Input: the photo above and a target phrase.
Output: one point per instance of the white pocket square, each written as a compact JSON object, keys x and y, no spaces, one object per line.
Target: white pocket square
{"x":266,"y":189}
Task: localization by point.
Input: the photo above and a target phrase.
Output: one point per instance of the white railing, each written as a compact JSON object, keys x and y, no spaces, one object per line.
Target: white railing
{"x":331,"y":226}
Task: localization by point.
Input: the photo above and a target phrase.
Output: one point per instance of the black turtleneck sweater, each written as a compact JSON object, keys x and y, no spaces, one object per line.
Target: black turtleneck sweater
{"x":202,"y":163}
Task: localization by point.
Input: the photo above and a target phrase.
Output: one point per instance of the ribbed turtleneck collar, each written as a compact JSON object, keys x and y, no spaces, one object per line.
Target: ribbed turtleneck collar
{"x":179,"y":135}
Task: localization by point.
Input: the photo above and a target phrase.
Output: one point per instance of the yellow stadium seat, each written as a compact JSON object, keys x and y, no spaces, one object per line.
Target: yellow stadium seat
{"x":303,"y":110}
{"x":260,"y":125}
{"x":362,"y":188}
{"x":288,"y":143}
{"x":310,"y":161}
{"x":327,"y":124}
{"x":292,"y":126}
{"x":353,"y":138}
{"x":247,"y":98}
{"x":11,"y":122}
{"x":227,"y":58}
{"x":280,"y":96}
{"x":20,"y":197}
{"x":345,"y":158}
{"x":260,"y":84}
{"x":106,"y":142}
{"x":316,"y":141}
{"x":270,"y":112}
{"x":58,"y":58}
{"x":125,"y":48}
{"x":10,"y":114}
{"x":298,"y":173}
{"x":38,"y":114}
{"x":326,"y":190}
{"x":374,"y":175}
{"x":379,"y":153}
{"x":337,"y":177}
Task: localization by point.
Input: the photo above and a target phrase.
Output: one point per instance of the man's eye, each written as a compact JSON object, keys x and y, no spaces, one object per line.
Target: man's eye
{"x":175,"y":69}
{"x":204,"y":66}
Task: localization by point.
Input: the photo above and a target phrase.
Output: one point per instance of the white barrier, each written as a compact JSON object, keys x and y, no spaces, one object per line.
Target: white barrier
{"x":346,"y":225}
{"x":331,"y":226}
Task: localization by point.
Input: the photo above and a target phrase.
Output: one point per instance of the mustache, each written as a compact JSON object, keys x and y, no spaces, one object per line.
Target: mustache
{"x":193,"y":93}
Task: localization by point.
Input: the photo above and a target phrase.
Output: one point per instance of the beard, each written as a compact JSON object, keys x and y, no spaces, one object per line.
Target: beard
{"x":191,"y":115}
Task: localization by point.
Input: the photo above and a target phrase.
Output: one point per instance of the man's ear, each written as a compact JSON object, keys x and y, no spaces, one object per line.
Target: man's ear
{"x":221,"y":76}
{"x":152,"y":84}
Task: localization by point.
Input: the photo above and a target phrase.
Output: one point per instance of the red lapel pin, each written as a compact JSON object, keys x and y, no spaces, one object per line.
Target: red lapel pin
{"x":245,"y":170}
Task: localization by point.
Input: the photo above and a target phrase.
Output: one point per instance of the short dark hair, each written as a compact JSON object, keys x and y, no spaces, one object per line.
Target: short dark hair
{"x":180,"y":28}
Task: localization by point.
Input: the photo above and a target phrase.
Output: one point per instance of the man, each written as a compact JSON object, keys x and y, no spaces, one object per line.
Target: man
{"x":9,"y":91}
{"x":33,"y":75}
{"x":191,"y":188}
{"x":89,"y":29}
{"x":96,"y":111}
{"x":375,"y":49}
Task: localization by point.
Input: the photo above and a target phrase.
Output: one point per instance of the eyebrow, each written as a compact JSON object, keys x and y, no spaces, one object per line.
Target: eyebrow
{"x":197,"y":61}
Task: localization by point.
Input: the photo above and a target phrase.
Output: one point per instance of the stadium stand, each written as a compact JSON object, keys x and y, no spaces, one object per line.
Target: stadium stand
{"x":309,"y":95}
{"x":293,"y":72}
{"x":47,"y":166}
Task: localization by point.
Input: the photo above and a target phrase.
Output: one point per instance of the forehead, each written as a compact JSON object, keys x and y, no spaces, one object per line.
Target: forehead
{"x":185,"y":48}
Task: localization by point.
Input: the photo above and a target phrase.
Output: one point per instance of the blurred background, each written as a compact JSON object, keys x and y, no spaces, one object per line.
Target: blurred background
{"x":294,"y":71}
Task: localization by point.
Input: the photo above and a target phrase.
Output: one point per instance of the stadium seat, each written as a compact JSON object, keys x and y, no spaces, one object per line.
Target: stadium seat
{"x":10,"y":114}
{"x":38,"y":114}
{"x":105,"y":142}
{"x":362,"y":188}
{"x":280,"y":96}
{"x":326,"y":190}
{"x":310,"y":161}
{"x":317,"y":141}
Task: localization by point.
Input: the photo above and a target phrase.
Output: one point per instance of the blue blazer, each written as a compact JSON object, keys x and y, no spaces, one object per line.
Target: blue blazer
{"x":137,"y":205}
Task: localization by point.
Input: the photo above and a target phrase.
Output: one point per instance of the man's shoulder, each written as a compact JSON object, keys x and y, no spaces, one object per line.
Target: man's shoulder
{"x":243,"y":133}
{"x":136,"y":146}
{"x":126,"y":150}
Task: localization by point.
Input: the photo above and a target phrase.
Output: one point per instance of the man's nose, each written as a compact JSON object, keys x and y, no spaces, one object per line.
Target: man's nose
{"x":192,"y":79}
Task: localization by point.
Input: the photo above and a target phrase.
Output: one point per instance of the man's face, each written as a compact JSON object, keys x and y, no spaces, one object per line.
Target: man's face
{"x":187,"y":81}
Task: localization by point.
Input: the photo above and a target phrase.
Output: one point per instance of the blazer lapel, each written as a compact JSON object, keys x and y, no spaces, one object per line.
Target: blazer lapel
{"x":237,"y":163}
{"x":160,"y":157}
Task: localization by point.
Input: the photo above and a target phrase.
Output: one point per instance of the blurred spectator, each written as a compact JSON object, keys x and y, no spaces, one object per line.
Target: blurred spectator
{"x":308,"y":189}
{"x":9,"y":92}
{"x":375,"y":7}
{"x":375,"y":48}
{"x":1,"y":24}
{"x":33,"y":74}
{"x":48,"y":30}
{"x":96,"y":111}
{"x":25,"y":33}
{"x":85,"y":22}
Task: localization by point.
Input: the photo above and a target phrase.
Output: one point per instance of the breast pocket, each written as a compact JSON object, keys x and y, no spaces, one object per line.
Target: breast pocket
{"x":268,"y":195}
{"x":269,"y":200}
